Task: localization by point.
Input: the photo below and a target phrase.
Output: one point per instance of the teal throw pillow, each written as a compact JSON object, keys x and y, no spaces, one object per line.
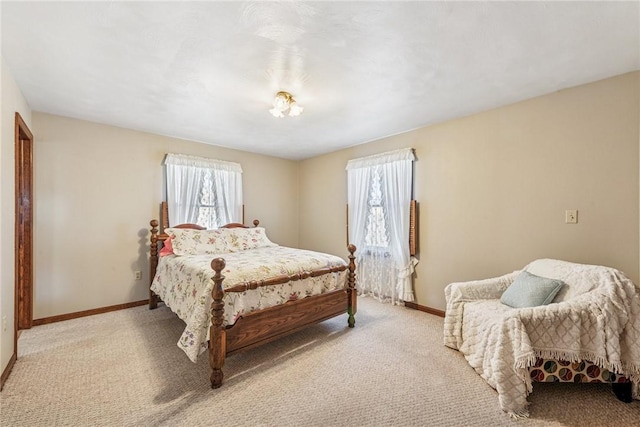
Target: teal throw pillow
{"x":529,"y":290}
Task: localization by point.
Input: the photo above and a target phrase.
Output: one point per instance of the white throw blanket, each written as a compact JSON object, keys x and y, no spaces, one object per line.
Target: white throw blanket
{"x":595,"y":317}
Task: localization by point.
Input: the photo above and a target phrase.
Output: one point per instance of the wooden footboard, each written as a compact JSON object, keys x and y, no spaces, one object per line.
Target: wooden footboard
{"x":266,"y":325}
{"x":269,"y":324}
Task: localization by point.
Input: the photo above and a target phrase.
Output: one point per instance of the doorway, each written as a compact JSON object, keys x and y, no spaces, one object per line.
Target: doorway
{"x":23,"y":309}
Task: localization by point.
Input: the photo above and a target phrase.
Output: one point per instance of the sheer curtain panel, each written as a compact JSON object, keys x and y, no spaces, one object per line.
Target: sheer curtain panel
{"x":203,"y":191}
{"x":379,"y":195}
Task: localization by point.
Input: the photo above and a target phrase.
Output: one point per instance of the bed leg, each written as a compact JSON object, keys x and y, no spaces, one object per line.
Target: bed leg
{"x":153,"y":300}
{"x":352,"y":307}
{"x":217,"y":333}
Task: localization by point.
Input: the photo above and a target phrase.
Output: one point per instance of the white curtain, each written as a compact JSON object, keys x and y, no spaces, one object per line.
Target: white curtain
{"x":384,"y":264}
{"x":185,"y":179}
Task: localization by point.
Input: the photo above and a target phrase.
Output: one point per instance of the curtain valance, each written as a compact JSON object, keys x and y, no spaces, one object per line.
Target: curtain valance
{"x":201,"y":162}
{"x":382,"y":158}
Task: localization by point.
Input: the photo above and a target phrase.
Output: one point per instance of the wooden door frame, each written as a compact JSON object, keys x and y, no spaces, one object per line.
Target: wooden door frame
{"x":23,"y":298}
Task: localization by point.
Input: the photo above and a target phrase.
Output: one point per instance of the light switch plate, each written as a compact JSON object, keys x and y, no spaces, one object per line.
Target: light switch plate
{"x":571,"y":216}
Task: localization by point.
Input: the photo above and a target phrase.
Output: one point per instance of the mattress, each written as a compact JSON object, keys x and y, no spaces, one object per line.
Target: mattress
{"x":184,"y":284}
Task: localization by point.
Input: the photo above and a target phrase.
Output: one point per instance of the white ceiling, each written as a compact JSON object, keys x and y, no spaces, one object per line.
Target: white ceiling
{"x":208,"y":71}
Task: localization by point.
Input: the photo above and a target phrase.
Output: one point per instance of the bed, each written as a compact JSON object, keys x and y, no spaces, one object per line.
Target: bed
{"x":269,"y":290}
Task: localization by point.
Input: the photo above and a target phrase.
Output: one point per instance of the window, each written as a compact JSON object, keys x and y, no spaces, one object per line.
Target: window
{"x":379,"y":196}
{"x":210,"y":204}
{"x":203,"y":191}
{"x":376,"y":235}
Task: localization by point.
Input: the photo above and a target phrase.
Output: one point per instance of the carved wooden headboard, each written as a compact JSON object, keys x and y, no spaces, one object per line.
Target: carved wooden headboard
{"x":164,"y":220}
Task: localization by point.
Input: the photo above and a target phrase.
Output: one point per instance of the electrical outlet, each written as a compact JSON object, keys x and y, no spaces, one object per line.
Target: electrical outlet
{"x":4,"y":323}
{"x":571,"y":216}
{"x":138,"y":275}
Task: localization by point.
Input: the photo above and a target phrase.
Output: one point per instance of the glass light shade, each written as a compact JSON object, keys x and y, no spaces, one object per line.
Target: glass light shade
{"x":295,"y":109}
{"x":284,"y":102}
{"x":276,"y":112}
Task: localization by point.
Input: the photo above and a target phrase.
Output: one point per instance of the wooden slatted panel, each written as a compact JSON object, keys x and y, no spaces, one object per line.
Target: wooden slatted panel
{"x":413,"y":231}
{"x":164,"y":216}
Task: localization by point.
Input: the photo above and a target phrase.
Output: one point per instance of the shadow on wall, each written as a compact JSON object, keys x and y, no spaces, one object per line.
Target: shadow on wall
{"x":141,"y":264}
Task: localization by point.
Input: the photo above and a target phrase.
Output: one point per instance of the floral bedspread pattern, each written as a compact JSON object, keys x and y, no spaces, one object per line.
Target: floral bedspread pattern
{"x":184,"y":284}
{"x":217,"y":241}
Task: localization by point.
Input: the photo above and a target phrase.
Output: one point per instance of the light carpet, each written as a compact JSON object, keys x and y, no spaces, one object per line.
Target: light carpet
{"x":124,"y":369}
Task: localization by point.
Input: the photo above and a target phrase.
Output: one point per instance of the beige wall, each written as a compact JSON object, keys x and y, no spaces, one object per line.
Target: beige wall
{"x":12,"y":102}
{"x":493,"y":187}
{"x":96,"y":188}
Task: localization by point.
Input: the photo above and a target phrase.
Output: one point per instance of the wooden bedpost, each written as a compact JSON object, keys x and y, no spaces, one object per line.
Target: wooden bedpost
{"x":153,"y":263}
{"x":352,"y":307}
{"x":217,"y":333}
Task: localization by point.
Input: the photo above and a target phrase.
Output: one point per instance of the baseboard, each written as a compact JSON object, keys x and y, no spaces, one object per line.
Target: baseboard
{"x":429,"y":310}
{"x":68,"y":316}
{"x":7,"y":370}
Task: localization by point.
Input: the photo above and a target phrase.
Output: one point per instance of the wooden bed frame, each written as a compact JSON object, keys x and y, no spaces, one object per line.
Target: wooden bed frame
{"x":261,"y":326}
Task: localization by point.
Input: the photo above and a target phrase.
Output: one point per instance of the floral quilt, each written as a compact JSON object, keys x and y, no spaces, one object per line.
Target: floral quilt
{"x":184,"y":284}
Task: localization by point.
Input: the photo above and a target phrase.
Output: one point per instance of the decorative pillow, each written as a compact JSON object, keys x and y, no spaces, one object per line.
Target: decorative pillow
{"x":529,"y":290}
{"x":167,"y":247}
{"x":240,"y":239}
{"x":197,"y":242}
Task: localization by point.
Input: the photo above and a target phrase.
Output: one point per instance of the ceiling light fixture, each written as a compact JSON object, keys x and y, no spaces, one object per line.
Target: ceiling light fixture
{"x":284,"y":102}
